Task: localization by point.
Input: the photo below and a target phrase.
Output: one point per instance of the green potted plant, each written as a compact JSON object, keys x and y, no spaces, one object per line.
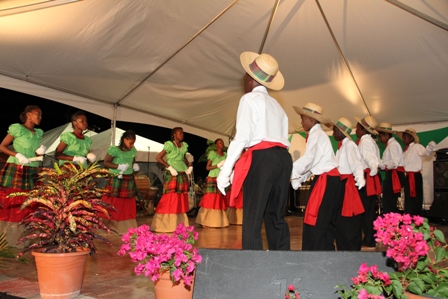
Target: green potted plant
{"x":62,"y":225}
{"x":421,"y":256}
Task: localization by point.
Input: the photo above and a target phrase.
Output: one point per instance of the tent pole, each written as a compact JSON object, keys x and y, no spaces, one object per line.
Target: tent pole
{"x":114,"y":125}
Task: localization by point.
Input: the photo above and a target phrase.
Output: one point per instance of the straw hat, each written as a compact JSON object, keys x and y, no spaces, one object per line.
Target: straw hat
{"x":385,"y":128}
{"x":344,"y":125}
{"x":411,"y":132}
{"x":263,"y":68}
{"x":369,"y":123}
{"x":314,"y":111}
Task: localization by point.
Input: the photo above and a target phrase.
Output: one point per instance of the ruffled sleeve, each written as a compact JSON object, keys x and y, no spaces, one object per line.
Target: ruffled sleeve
{"x":168,"y":146}
{"x":15,"y":130}
{"x":211,"y":155}
{"x":67,"y":137}
{"x":113,"y":150}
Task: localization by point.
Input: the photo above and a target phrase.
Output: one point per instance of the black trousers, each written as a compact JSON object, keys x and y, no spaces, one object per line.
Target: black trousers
{"x":322,"y":235}
{"x":389,"y":197}
{"x":348,"y":229}
{"x":369,"y":203}
{"x":265,"y":197}
{"x":413,"y":205}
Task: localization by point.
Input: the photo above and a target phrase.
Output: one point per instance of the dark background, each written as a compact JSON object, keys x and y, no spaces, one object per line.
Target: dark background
{"x":55,"y":114}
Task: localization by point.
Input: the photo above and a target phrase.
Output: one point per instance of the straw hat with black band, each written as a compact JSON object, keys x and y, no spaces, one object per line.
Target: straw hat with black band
{"x":263,"y":68}
{"x":368,"y":123}
{"x":314,"y":111}
{"x":411,"y":132}
{"x":344,"y":125}
{"x":385,"y":128}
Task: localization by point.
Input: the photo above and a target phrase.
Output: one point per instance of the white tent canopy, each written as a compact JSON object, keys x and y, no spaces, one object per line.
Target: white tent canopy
{"x":171,"y":63}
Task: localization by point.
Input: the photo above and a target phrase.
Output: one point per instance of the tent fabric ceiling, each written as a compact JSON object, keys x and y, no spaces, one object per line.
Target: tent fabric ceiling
{"x":176,"y":63}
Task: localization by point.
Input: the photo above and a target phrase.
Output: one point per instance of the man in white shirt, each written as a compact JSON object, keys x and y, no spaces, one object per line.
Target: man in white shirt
{"x":349,"y":221}
{"x":319,"y":224}
{"x":391,"y":162}
{"x":370,"y":154}
{"x":264,"y":169}
{"x":412,"y":156}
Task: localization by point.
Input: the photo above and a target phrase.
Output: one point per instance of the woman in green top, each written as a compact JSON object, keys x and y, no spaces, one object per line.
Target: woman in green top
{"x":213,"y":207}
{"x":173,"y":205}
{"x":74,"y":146}
{"x":120,"y":160}
{"x":20,"y":171}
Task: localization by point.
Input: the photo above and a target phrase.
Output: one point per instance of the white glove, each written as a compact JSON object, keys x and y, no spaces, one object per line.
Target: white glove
{"x":123,"y":167}
{"x":220,"y":164}
{"x":391,"y":165}
{"x":135,"y":167}
{"x":431,"y":146}
{"x":41,"y":150}
{"x":79,"y":159}
{"x":360,"y":182}
{"x":22,"y":159}
{"x":373,"y":170}
{"x":172,"y":170}
{"x":91,"y":157}
{"x":189,"y":170}
{"x":223,"y":180}
{"x":231,"y":177}
{"x":382,"y":166}
{"x":296,"y":179}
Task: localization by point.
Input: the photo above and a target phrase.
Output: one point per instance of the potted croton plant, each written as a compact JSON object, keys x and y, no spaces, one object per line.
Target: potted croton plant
{"x":61,"y":228}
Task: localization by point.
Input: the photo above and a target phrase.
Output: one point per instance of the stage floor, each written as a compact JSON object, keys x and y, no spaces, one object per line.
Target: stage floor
{"x":110,"y":276}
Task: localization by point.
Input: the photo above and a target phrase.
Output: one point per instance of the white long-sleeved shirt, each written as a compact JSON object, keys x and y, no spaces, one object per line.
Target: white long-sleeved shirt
{"x":349,"y":159}
{"x":369,"y":151}
{"x":393,"y":154}
{"x":259,"y":118}
{"x":413,"y":157}
{"x":318,"y":157}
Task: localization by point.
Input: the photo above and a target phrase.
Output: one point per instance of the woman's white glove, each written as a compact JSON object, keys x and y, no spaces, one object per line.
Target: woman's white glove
{"x":172,"y":170}
{"x":135,"y":167}
{"x":220,"y":164}
{"x":41,"y":150}
{"x":22,"y":159}
{"x":91,"y":157}
{"x":79,"y":159}
{"x":189,"y":170}
{"x":123,"y":167}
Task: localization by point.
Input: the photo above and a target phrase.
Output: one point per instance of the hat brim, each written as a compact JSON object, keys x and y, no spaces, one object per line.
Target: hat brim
{"x":247,"y":58}
{"x":400,"y":135}
{"x":331,"y":126}
{"x":371,"y":131}
{"x":386,"y":131}
{"x":319,"y":117}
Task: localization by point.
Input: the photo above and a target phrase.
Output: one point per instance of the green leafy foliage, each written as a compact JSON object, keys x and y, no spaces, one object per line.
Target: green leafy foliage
{"x":210,"y":148}
{"x":65,"y":209}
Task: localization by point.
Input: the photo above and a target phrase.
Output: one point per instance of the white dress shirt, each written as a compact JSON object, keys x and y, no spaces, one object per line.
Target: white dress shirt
{"x":413,"y":157}
{"x":259,"y":118}
{"x":318,"y":157}
{"x":393,"y":154}
{"x":349,"y":159}
{"x":369,"y":151}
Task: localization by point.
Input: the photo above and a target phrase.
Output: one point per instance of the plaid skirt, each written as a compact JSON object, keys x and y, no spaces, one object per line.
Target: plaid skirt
{"x":210,"y":186}
{"x":18,"y":176}
{"x":123,"y":188}
{"x":178,"y":184}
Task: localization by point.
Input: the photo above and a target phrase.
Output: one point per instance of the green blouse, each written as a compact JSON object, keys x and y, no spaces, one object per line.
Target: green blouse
{"x":122,"y":157}
{"x":25,"y":142}
{"x":75,"y":146}
{"x":175,"y":156}
{"x":215,"y":158}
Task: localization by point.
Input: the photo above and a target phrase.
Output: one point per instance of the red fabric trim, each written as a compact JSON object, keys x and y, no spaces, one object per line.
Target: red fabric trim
{"x":126,"y":208}
{"x":373,"y":184}
{"x":412,"y":186}
{"x":173,"y":203}
{"x":213,"y":201}
{"x":352,"y":204}
{"x":316,"y":196}
{"x":80,"y":136}
{"x":11,"y":211}
{"x":339,"y":144}
{"x":396,"y":184}
{"x":242,"y":167}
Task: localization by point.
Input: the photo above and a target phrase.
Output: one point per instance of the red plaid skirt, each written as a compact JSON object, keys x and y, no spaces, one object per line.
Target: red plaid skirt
{"x":18,"y":176}
{"x":178,"y":184}
{"x":123,"y":188}
{"x":126,"y":208}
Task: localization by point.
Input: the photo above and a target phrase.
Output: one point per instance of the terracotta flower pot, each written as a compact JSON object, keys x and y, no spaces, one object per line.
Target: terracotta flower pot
{"x":60,"y":275}
{"x":164,"y":288}
{"x":414,"y":296}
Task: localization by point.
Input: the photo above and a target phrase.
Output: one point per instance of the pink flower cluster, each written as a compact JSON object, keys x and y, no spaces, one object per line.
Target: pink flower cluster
{"x":292,"y":293}
{"x":157,"y":253}
{"x":405,"y":244}
{"x":370,"y":276}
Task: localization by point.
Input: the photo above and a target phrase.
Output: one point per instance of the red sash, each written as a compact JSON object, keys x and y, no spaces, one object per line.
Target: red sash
{"x":373,"y":184}
{"x":352,"y":204}
{"x":396,"y":185}
{"x":242,"y":167}
{"x":316,"y":196}
{"x":412,"y":187}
